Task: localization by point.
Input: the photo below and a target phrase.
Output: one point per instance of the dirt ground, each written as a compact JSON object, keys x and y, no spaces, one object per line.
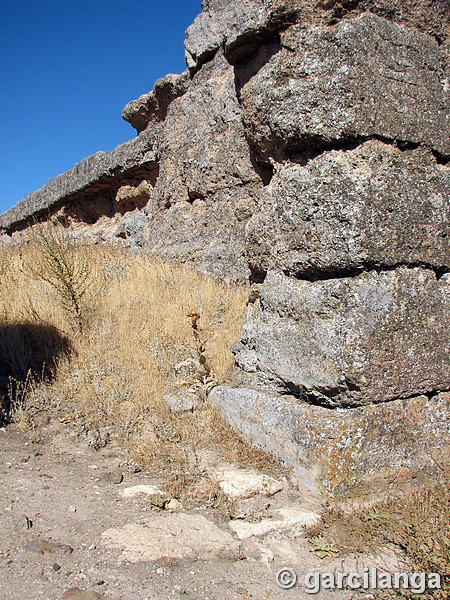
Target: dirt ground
{"x":68,"y":531}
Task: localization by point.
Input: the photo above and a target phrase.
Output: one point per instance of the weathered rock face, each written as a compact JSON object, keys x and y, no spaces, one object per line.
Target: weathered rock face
{"x":345,"y":211}
{"x":361,"y":78}
{"x":306,"y":148}
{"x":89,"y":189}
{"x":241,"y":27}
{"x":151,"y":108}
{"x":237,"y":27}
{"x":352,"y":340}
{"x":204,"y":149}
{"x":206,"y":176}
{"x":129,"y":197}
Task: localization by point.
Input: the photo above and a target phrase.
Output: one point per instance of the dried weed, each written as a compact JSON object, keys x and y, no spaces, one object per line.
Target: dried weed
{"x":142,"y":329}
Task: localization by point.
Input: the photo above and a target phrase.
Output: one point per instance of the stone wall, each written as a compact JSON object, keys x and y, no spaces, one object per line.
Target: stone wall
{"x":306,"y":149}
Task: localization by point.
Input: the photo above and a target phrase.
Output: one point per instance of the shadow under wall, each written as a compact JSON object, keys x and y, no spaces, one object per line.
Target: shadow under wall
{"x":28,"y":350}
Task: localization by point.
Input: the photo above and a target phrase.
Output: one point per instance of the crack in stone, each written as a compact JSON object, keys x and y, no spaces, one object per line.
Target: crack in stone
{"x":439,"y":271}
{"x":313,"y":400}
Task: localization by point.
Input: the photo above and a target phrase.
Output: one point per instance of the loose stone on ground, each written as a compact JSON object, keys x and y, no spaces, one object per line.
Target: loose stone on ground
{"x":244,"y":483}
{"x":177,"y":536}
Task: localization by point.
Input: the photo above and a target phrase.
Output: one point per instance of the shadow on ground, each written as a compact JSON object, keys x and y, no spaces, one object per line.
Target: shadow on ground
{"x":28,"y":350}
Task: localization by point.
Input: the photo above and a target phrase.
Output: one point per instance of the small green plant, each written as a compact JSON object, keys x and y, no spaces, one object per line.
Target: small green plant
{"x":65,"y":269}
{"x":157,"y":502}
{"x":322,"y":548}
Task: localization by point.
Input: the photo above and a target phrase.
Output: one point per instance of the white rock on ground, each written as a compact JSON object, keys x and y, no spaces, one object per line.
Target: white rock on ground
{"x":174,"y":504}
{"x":244,"y":483}
{"x":292,"y":517}
{"x":244,"y":529}
{"x":178,"y":536}
{"x":298,"y":517}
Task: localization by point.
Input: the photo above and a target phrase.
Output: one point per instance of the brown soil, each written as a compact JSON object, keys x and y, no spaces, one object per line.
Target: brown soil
{"x":60,"y":491}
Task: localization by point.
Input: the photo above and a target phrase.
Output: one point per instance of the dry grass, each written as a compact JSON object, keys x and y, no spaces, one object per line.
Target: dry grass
{"x":149,"y":328}
{"x":417,"y":525}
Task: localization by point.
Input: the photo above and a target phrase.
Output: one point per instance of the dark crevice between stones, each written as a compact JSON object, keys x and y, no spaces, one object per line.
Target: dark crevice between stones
{"x":345,"y":273}
{"x":341,"y":10}
{"x":248,"y":43}
{"x":325,"y":398}
{"x":257,"y":275}
{"x":440,"y":271}
{"x":307,"y":148}
{"x":193,"y":196}
{"x":441,"y":160}
{"x":264,"y":170}
{"x":302,"y":151}
{"x":432,"y":394}
{"x":316,"y":148}
{"x":248,"y":46}
{"x":346,"y":395}
{"x":247,"y":68}
{"x":244,"y":70}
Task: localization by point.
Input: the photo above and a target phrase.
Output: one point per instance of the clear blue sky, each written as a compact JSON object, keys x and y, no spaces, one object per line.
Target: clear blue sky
{"x":67,"y":68}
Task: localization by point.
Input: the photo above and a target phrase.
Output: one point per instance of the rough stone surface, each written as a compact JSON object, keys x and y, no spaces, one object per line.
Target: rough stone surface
{"x":364,"y":77}
{"x":290,"y":517}
{"x":244,"y":529}
{"x":374,"y":206}
{"x":86,"y":175}
{"x":348,"y":453}
{"x":176,"y":536}
{"x":151,"y":108}
{"x":173,"y":505}
{"x":92,"y":567}
{"x":205,"y":175}
{"x":133,"y":226}
{"x":240,"y":27}
{"x":42,"y":547}
{"x":204,"y":148}
{"x":115,"y":478}
{"x":305,"y":148}
{"x":205,"y":133}
{"x":130,"y":196}
{"x":350,"y":341}
{"x":137,"y":490}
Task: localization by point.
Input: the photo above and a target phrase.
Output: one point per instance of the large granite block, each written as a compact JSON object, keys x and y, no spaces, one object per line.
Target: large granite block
{"x":350,"y":341}
{"x":361,"y":78}
{"x":374,"y":206}
{"x":346,"y":454}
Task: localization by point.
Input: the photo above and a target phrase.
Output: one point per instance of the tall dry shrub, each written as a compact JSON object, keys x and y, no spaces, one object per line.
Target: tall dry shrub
{"x":65,"y":268}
